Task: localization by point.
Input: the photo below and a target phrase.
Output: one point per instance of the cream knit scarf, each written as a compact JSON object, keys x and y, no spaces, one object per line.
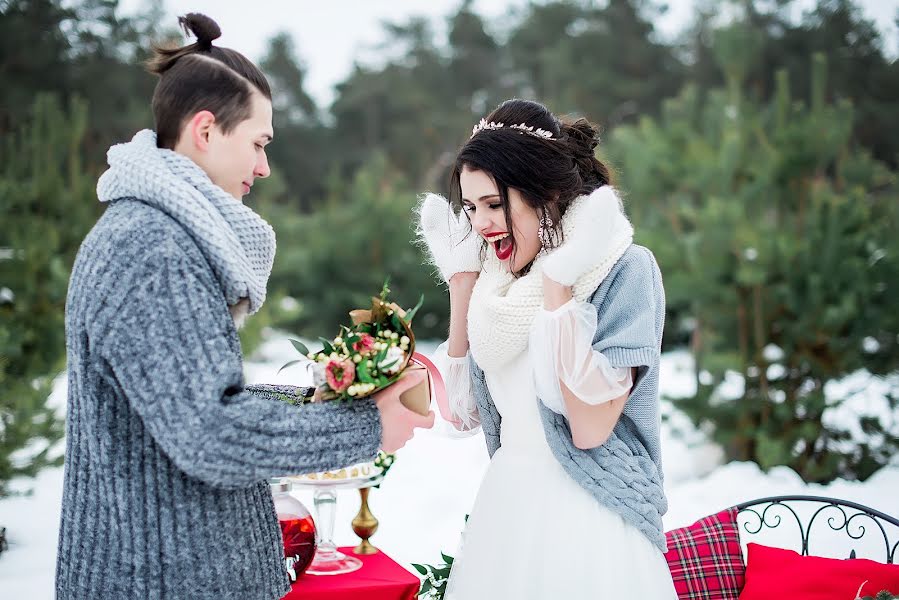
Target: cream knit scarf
{"x":238,"y":243}
{"x":502,"y":307}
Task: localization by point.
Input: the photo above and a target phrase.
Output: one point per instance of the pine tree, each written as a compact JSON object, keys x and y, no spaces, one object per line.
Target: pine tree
{"x":600,"y":61}
{"x":335,"y":259}
{"x":48,"y":204}
{"x":777,"y":241}
{"x":305,"y":147}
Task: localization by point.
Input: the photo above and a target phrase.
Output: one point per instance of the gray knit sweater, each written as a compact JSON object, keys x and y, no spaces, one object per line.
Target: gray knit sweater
{"x":167,"y":452}
{"x":625,"y":473}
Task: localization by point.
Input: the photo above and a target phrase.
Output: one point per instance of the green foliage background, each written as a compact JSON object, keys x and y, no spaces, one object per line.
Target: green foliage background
{"x":758,"y":158}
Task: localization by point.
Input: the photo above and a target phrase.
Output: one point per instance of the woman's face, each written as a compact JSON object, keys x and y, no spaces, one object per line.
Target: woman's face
{"x":482,"y":203}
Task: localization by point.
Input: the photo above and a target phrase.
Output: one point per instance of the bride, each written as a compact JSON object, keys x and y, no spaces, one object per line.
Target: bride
{"x":553,"y":350}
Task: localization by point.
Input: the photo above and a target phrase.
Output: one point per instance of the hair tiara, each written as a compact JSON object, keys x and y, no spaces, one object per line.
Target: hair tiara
{"x":485,"y":125}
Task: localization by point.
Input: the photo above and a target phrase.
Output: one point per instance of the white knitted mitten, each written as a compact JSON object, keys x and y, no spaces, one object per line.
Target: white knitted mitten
{"x":453,"y":246}
{"x":588,"y":240}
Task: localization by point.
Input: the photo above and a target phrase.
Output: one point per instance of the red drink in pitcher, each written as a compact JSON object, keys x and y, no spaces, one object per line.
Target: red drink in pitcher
{"x":297,"y":527}
{"x":299,"y":539}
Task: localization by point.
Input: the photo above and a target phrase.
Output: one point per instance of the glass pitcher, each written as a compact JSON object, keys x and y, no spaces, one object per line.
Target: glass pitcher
{"x":297,"y":528}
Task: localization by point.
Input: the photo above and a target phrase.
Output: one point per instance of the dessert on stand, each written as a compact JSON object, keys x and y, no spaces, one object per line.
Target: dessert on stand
{"x":328,"y":560}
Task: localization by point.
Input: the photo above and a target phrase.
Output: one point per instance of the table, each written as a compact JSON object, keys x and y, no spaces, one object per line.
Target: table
{"x":380,"y":578}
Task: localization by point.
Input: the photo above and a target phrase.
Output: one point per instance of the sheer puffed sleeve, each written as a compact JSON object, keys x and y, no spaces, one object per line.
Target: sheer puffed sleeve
{"x":562,"y":350}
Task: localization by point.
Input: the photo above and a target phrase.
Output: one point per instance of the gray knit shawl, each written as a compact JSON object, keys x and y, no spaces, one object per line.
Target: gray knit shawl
{"x":238,"y":243}
{"x":625,"y":473}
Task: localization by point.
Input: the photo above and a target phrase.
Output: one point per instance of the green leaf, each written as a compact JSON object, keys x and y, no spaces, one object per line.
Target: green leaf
{"x":382,"y":354}
{"x":290,"y":364}
{"x":301,"y":348}
{"x":362,"y":373}
{"x":420,"y":569}
{"x":411,"y":313}
{"x":328,"y":348}
{"x":447,"y":559}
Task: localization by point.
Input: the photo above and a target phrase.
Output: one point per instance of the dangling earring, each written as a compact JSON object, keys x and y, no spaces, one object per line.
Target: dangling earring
{"x":545,"y":231}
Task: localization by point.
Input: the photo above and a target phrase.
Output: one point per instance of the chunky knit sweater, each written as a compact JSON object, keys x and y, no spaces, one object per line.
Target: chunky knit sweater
{"x":625,"y":473}
{"x":167,"y":452}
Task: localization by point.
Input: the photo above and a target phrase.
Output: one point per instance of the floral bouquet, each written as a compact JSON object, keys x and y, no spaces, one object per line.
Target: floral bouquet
{"x":369,"y":355}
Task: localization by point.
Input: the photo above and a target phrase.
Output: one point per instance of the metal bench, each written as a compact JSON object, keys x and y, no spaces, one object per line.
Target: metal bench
{"x":869,"y":530}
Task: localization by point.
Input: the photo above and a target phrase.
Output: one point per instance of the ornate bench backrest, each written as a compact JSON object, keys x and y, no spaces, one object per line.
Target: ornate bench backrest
{"x":874,"y":534}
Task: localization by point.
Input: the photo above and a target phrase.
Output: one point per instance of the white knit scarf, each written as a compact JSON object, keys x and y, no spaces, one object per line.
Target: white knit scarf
{"x":502,"y":307}
{"x":238,"y":243}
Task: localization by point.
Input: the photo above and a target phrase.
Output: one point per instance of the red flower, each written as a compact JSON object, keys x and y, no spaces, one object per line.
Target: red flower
{"x":340,"y":374}
{"x":366,"y":343}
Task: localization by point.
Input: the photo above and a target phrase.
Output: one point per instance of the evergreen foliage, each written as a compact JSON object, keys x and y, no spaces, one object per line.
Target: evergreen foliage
{"x":777,"y":240}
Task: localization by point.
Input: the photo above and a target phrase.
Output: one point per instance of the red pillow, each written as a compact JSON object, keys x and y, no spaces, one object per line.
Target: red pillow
{"x":705,"y":558}
{"x":778,"y":573}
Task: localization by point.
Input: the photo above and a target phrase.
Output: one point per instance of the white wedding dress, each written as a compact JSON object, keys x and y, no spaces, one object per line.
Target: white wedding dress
{"x":533,"y":533}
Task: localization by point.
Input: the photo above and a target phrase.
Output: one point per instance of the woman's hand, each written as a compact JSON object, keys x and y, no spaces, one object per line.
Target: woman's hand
{"x":453,"y":246}
{"x":578,"y":252}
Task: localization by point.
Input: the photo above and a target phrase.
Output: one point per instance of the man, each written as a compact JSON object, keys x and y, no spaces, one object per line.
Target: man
{"x":167,"y":452}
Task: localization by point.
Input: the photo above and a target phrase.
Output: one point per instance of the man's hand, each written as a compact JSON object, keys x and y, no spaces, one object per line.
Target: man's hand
{"x":398,"y":423}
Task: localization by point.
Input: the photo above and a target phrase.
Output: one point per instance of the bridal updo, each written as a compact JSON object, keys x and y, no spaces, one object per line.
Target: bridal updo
{"x":202,"y":76}
{"x":523,"y":145}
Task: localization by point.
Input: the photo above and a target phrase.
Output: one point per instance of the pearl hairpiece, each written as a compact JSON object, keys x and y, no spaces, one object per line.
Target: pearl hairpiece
{"x":484,"y":124}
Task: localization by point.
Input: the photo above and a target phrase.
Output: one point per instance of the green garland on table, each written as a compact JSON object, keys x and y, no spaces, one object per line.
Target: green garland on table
{"x":433,"y":586}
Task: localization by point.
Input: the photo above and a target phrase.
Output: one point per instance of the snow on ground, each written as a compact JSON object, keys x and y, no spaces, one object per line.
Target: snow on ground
{"x":422,"y":503}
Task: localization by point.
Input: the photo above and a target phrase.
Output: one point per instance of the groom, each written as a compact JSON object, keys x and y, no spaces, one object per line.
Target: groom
{"x":167,"y":451}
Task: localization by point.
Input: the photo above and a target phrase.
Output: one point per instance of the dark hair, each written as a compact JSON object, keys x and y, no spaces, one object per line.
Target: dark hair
{"x":549,"y":172}
{"x":201,"y":76}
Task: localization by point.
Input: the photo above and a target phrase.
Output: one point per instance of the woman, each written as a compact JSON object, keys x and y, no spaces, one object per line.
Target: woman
{"x":553,"y":350}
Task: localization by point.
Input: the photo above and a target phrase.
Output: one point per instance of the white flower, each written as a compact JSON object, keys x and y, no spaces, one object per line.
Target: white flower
{"x":394,"y":355}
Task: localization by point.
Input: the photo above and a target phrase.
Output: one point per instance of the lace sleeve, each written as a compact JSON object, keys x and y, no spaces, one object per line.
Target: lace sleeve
{"x":462,"y":412}
{"x":562,"y":350}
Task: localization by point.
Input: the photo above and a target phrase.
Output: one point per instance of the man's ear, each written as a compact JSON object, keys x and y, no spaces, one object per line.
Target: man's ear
{"x":199,"y":129}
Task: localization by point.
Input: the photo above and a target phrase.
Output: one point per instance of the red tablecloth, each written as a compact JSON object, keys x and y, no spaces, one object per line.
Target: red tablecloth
{"x":380,"y":578}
